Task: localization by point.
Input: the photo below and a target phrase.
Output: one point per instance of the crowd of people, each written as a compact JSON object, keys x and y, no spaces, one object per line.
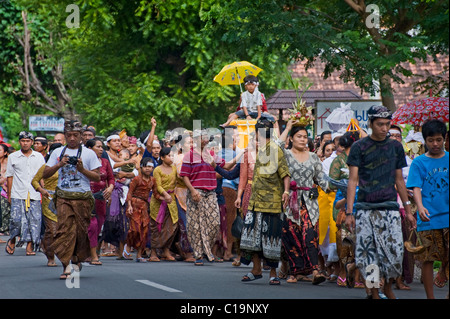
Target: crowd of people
{"x":314,"y":212}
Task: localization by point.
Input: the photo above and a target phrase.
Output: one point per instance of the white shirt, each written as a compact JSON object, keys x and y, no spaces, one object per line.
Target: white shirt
{"x":326,"y":164}
{"x":69,"y":178}
{"x":251,"y":100}
{"x":23,"y":169}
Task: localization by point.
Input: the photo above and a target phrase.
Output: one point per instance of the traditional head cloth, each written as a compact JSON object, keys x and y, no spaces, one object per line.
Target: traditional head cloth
{"x":122,"y":134}
{"x":380,"y":112}
{"x":113,"y":137}
{"x":132,"y":140}
{"x":72,"y":126}
{"x":89,"y":128}
{"x":41,"y":139}
{"x":25,"y":134}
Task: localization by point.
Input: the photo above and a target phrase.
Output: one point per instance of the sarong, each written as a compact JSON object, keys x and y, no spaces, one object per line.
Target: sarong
{"x":182,"y":238}
{"x":230,"y":196}
{"x":47,"y":238}
{"x":71,"y":240}
{"x":97,"y":222}
{"x":163,"y":234}
{"x":222,"y":236}
{"x":5,"y":213}
{"x":261,"y":234}
{"x":301,"y":244}
{"x":26,"y":222}
{"x":115,"y":227}
{"x":379,"y":242}
{"x":138,"y":224}
{"x":438,"y":250}
{"x":203,"y":223}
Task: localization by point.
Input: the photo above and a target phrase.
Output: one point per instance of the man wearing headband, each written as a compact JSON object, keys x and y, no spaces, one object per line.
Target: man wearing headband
{"x":375,"y":164}
{"x":40,"y":145}
{"x":25,"y":202}
{"x":74,"y":202}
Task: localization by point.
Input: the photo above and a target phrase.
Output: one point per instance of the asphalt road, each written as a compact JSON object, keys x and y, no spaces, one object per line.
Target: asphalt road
{"x":28,"y":277}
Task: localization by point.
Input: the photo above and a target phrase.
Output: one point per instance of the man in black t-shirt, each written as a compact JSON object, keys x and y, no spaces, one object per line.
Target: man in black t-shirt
{"x":375,"y":164}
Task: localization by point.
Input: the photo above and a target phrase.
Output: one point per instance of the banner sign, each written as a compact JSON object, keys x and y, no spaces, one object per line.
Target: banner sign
{"x":359,"y":107}
{"x":46,"y":123}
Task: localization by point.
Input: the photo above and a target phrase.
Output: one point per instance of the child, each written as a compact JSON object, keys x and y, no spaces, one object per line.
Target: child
{"x":163,"y":207}
{"x":137,"y":211}
{"x":429,"y":178}
{"x":125,"y":165}
{"x":252,"y":105}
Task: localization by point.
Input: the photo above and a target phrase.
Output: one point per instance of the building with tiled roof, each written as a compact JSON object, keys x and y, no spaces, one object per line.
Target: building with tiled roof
{"x":403,"y":93}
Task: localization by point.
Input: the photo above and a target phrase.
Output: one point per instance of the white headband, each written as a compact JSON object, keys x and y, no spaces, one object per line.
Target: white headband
{"x":394,"y":131}
{"x":113,"y":137}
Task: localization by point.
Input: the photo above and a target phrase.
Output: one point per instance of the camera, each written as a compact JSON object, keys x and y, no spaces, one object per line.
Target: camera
{"x":73,"y":160}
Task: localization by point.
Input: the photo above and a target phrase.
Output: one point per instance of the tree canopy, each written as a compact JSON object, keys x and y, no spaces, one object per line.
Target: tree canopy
{"x":130,"y":60}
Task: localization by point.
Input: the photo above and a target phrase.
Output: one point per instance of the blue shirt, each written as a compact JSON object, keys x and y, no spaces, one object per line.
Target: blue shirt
{"x":228,"y":155}
{"x":432,"y":177}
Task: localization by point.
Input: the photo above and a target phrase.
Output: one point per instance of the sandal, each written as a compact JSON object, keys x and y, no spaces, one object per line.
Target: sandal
{"x":350,"y":276}
{"x":440,"y":280}
{"x":274,"y":281}
{"x":359,"y":284}
{"x":95,"y":262}
{"x":236,"y":263}
{"x":318,"y":279}
{"x":11,"y":250}
{"x":198,"y":262}
{"x":154,"y":258}
{"x":291,"y":279}
{"x":30,"y":253}
{"x":65,"y":275}
{"x":168,"y":258}
{"x":250,"y":277}
{"x":342,"y":282}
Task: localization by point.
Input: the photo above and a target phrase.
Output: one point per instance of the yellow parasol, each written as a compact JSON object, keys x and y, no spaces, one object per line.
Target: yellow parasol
{"x":234,"y":73}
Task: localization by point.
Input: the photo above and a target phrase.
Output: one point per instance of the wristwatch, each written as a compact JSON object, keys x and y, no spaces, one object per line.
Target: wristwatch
{"x":407,"y":203}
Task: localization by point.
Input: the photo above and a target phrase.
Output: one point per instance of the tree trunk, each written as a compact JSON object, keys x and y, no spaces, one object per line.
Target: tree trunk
{"x":387,"y":93}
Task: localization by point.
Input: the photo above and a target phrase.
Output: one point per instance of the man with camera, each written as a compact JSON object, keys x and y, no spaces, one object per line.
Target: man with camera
{"x":73,"y":199}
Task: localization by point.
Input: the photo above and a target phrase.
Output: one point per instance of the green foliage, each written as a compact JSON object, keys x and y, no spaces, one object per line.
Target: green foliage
{"x":333,"y":32}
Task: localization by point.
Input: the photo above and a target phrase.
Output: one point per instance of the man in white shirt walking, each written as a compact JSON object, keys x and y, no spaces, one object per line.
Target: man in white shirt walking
{"x":25,"y":202}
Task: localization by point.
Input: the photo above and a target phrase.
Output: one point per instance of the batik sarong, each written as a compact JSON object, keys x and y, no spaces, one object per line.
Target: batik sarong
{"x":261,"y":234}
{"x":138,"y":223}
{"x":26,"y":221}
{"x":47,"y":238}
{"x":203,"y":223}
{"x":301,"y":244}
{"x":163,"y":234}
{"x":71,"y":240}
{"x":379,"y":242}
{"x":182,"y":238}
{"x":438,"y":249}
